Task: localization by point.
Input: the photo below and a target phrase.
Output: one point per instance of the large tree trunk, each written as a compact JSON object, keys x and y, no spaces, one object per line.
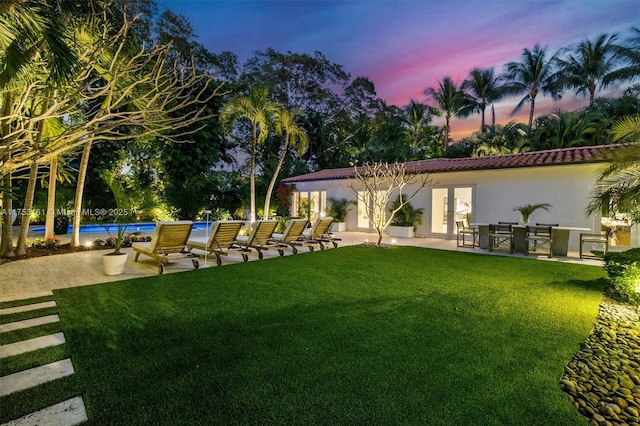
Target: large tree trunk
{"x":21,"y":247}
{"x":533,"y":106}
{"x":51,"y":199}
{"x":283,"y":155}
{"x":252,"y":178}
{"x":77,"y":206}
{"x":6,"y":246}
{"x":446,"y":134}
{"x":6,"y":242}
{"x":493,"y":117}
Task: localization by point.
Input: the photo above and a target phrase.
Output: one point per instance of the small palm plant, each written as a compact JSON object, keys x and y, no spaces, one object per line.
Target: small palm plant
{"x":339,"y":208}
{"x":407,"y":215}
{"x":528,"y":209}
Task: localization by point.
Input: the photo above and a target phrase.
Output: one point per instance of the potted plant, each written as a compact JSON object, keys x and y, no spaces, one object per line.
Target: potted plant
{"x":338,"y":211}
{"x":61,"y":224}
{"x":405,"y":220}
{"x":528,"y":209}
{"x":114,"y":262}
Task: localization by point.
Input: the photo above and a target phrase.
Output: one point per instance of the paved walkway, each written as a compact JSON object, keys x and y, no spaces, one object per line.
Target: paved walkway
{"x":26,"y":277}
{"x":66,"y":413}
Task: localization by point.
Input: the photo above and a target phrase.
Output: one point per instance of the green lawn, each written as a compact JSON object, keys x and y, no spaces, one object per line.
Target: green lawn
{"x":349,"y":336}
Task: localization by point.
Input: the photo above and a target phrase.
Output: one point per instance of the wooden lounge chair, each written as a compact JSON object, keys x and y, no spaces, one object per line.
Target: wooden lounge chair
{"x":259,"y":238}
{"x":320,"y":233}
{"x":168,"y":238}
{"x":291,"y":235}
{"x":222,"y":240}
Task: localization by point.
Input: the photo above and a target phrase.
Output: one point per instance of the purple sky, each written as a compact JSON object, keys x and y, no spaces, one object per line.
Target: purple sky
{"x":405,"y":46}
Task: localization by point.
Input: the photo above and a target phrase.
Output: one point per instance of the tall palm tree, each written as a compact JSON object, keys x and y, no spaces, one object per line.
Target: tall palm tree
{"x":588,"y":67}
{"x":485,"y":88}
{"x":534,"y":74}
{"x":285,"y":123}
{"x":259,"y":110}
{"x":452,"y":101}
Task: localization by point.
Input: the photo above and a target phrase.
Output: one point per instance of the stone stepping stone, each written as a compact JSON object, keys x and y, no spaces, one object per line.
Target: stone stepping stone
{"x":27,"y":308}
{"x":67,"y":413}
{"x":26,"y":296}
{"x":33,"y":322}
{"x":35,"y":376}
{"x":18,"y":348}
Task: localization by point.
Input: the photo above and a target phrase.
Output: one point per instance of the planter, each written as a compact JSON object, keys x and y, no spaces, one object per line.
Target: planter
{"x":113,"y":264}
{"x":338,"y":226}
{"x":61,"y":225}
{"x":401,"y":231}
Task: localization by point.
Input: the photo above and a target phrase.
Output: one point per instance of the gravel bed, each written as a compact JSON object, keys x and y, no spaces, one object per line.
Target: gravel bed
{"x":603,"y":377}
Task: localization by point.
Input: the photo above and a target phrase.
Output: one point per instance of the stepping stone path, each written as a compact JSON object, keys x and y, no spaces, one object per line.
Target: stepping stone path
{"x":66,"y":413}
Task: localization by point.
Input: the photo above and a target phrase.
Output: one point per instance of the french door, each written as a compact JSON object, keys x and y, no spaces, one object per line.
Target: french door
{"x":366,"y":206}
{"x":450,"y":204}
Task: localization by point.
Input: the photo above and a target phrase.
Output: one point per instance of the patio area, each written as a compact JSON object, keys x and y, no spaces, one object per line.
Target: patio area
{"x":26,"y":277}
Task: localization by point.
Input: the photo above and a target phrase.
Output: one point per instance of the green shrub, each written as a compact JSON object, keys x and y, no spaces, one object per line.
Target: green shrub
{"x":47,"y":243}
{"x":623,"y":269}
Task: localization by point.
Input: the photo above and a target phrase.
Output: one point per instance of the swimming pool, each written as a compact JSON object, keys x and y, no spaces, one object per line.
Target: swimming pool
{"x":112,"y":228}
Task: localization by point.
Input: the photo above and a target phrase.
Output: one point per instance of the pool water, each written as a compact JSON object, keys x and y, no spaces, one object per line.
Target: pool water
{"x":112,"y":228}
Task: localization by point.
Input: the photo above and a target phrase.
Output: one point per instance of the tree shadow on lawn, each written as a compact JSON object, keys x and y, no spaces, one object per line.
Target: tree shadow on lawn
{"x":584,"y":286}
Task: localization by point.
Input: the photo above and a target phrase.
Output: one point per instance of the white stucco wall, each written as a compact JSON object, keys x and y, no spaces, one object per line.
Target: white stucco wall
{"x":567,"y":188}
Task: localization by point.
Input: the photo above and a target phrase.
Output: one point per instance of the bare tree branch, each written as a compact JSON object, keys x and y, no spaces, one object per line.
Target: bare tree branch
{"x":374,"y":184}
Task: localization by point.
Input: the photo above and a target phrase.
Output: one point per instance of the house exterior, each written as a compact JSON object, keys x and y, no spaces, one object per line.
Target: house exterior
{"x":483,"y":190}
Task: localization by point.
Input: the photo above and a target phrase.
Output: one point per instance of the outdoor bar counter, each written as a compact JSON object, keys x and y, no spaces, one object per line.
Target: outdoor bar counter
{"x":559,"y":237}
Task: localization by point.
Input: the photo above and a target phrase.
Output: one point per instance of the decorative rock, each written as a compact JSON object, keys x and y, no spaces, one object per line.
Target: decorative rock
{"x":620,"y":402}
{"x":603,"y":378}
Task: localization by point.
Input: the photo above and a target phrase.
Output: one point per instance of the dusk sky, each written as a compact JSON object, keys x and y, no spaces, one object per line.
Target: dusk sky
{"x":406,"y":46}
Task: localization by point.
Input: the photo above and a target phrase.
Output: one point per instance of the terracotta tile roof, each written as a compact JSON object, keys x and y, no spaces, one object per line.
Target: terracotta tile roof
{"x":554,"y":157}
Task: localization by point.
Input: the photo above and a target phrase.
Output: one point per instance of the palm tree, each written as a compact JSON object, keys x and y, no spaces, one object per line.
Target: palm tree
{"x":509,"y":138}
{"x":31,"y":32}
{"x":532,"y":75}
{"x":618,"y":187}
{"x":258,"y":109}
{"x":588,"y":67}
{"x":452,"y":101}
{"x":416,"y":118}
{"x":629,"y":60}
{"x":293,"y":135}
{"x":485,"y":88}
